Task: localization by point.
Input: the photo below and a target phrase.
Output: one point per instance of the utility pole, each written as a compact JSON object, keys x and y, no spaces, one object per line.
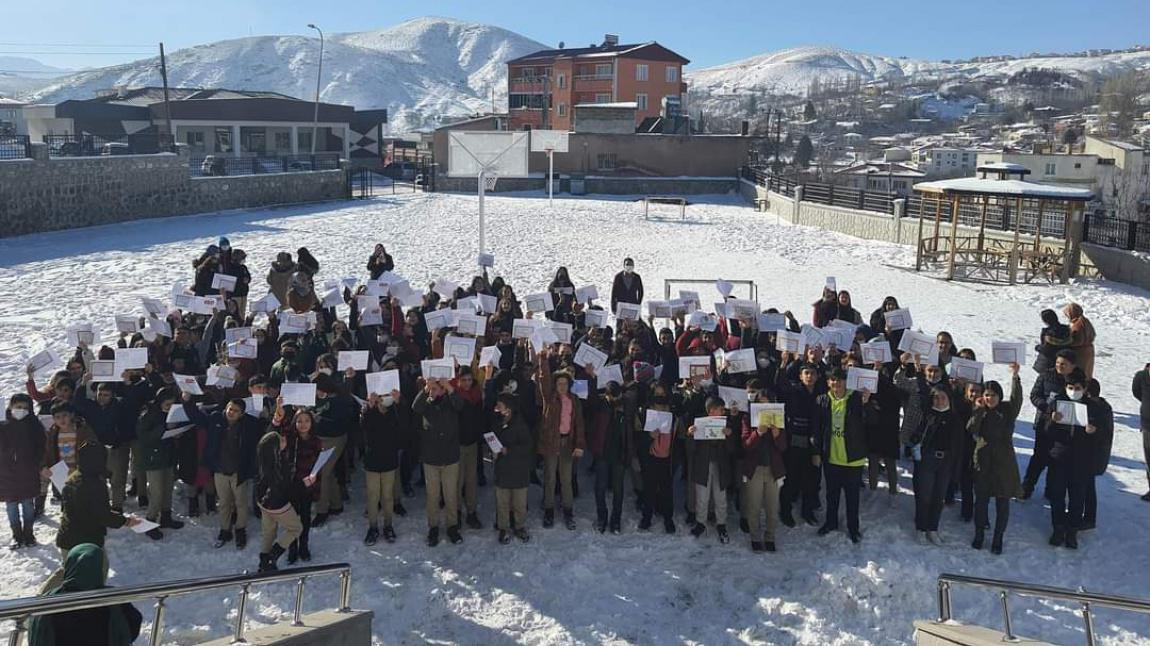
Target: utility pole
{"x":318,"y":76}
{"x":167,"y":101}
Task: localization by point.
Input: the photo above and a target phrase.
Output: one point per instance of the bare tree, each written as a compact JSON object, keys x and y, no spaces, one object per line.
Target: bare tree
{"x":1126,"y":190}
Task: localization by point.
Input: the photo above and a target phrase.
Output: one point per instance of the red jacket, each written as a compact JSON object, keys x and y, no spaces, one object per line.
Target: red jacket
{"x":751,"y":449}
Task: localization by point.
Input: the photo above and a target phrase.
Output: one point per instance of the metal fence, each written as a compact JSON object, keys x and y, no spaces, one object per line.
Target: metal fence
{"x":15,"y":147}
{"x":1116,"y":233}
{"x":997,"y":214}
{"x":819,"y":193}
{"x":86,"y":145}
{"x":227,"y":165}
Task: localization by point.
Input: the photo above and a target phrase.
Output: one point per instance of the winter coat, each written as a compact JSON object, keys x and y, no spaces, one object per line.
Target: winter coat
{"x":243,"y":280}
{"x":276,"y":473}
{"x":854,"y":426}
{"x":1053,"y":338}
{"x":155,"y":452}
{"x":878,"y":326}
{"x":335,"y":415}
{"x":86,"y":514}
{"x":302,"y":454}
{"x":718,"y":451}
{"x":916,"y":400}
{"x":439,"y":434}
{"x":84,"y":435}
{"x":995,"y":464}
{"x":22,"y":446}
{"x":1141,"y":390}
{"x":763,"y":450}
{"x":85,"y":568}
{"x":1082,"y":342}
{"x":552,"y":413}
{"x":279,"y":280}
{"x":248,"y":431}
{"x":883,"y":428}
{"x":1102,"y":416}
{"x":114,"y":424}
{"x":513,"y":470}
{"x":621,"y":292}
{"x":942,"y":431}
{"x":824,"y":312}
{"x":801,"y":407}
{"x":376,"y":265}
{"x":1049,"y":386}
{"x":384,"y":437}
{"x":472,"y":419}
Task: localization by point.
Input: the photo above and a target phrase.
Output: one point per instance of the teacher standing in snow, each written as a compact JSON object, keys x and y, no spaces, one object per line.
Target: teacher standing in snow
{"x":628,"y":286}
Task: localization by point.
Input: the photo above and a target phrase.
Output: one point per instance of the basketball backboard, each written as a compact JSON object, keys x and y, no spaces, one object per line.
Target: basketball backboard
{"x":469,"y":152}
{"x":544,"y":140}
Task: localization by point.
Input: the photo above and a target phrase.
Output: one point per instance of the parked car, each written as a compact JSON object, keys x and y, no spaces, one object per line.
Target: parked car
{"x":403,"y":170}
{"x":115,"y":148}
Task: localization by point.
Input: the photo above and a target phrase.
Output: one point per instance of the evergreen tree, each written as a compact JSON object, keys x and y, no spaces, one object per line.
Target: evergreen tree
{"x":809,"y":112}
{"x":805,"y":152}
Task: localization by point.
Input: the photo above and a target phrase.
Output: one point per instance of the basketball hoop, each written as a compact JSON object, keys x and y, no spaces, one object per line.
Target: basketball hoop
{"x":489,"y":180}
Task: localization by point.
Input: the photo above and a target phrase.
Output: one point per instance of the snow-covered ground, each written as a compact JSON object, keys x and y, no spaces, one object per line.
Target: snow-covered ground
{"x":579,"y":587}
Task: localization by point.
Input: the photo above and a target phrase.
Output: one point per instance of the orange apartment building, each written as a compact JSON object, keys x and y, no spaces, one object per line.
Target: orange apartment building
{"x":544,"y":87}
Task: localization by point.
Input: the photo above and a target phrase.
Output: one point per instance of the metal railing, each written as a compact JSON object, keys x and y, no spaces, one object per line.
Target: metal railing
{"x":21,"y":610}
{"x":819,"y":193}
{"x":226,"y":164}
{"x":1006,"y":588}
{"x":87,"y":145}
{"x":1116,"y":233}
{"x":14,"y":147}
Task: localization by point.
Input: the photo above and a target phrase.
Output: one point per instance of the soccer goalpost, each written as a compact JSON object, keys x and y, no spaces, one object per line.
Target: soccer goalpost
{"x":487,"y":156}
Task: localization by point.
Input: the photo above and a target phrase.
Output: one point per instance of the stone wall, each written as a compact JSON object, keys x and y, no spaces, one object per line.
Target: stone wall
{"x":43,"y":194}
{"x":1124,"y":266}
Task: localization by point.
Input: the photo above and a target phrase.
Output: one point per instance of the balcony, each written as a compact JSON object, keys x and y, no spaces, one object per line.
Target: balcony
{"x":529,"y":84}
{"x":594,"y":77}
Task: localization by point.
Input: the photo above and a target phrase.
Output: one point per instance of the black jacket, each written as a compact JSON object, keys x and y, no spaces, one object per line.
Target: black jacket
{"x":620,"y":292}
{"x":274,"y":486}
{"x":916,"y":400}
{"x":1102,"y":416}
{"x":1141,"y":389}
{"x":1046,"y":389}
{"x":513,"y":470}
{"x":383,"y":437}
{"x":248,"y":429}
{"x":439,"y":434}
{"x":854,"y":430}
{"x":376,"y":265}
{"x":995,"y":463}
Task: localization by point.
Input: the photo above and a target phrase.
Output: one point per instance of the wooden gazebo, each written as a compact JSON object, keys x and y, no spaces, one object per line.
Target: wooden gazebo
{"x":997,"y":223}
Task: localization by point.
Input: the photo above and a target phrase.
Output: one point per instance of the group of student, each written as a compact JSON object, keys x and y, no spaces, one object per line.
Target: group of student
{"x":243,"y":445}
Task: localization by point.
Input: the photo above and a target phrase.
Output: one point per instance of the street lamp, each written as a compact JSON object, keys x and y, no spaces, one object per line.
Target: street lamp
{"x":318,"y":76}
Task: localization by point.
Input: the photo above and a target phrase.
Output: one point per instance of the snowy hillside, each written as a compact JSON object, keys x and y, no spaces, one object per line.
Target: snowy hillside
{"x":420,"y":70}
{"x":582,"y":587}
{"x":19,"y":74}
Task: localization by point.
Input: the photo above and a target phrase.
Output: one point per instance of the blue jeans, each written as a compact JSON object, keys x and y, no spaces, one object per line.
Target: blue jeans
{"x":14,"y":509}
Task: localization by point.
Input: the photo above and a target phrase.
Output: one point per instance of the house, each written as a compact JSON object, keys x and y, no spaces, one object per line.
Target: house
{"x":544,"y":87}
{"x":11,"y":116}
{"x":215,"y":121}
{"x":880,"y":176}
{"x":939,"y":161}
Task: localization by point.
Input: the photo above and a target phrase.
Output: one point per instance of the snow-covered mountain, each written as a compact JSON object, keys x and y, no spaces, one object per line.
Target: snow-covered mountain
{"x":420,"y":70}
{"x":19,"y":74}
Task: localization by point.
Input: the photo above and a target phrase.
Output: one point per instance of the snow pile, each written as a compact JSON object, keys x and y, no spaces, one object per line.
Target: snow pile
{"x":421,"y":70}
{"x":582,"y":587}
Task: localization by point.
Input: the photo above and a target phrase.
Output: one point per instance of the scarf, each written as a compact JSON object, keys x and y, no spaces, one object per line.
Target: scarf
{"x":84,"y":570}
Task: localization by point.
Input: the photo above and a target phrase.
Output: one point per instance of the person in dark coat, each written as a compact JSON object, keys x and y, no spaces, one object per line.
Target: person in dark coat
{"x":1046,"y":389}
{"x":384,"y":422}
{"x":713,"y":471}
{"x":1072,"y":453}
{"x":1055,"y":336}
{"x":1102,"y":415}
{"x":22,"y":445}
{"x":804,"y":473}
{"x":878,"y":323}
{"x":280,"y":524}
{"x":611,"y":442}
{"x":826,"y":309}
{"x":379,"y":262}
{"x":158,"y":460}
{"x":762,"y":467}
{"x":437,"y":409}
{"x":883,"y":432}
{"x":243,"y":276}
{"x":513,"y":466}
{"x":995,"y":465}
{"x":839,"y":435}
{"x":937,"y":450}
{"x":302,"y":452}
{"x":86,"y":515}
{"x":1141,"y":389}
{"x":846,"y":312}
{"x":85,"y":569}
{"x":230,"y":455}
{"x":627,"y":286}
{"x":915,"y":381}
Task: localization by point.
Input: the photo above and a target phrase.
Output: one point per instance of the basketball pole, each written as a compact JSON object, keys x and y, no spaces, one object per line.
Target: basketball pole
{"x":550,"y":176}
{"x":482,"y":181}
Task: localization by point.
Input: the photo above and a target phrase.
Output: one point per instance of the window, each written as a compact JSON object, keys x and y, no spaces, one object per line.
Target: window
{"x":562,"y":109}
{"x":602,"y":98}
{"x":223,"y":139}
{"x":603,"y":70}
{"x":304,"y":140}
{"x":283,"y":140}
{"x":561,"y":81}
{"x":641,"y":101}
{"x":528,"y":72}
{"x":1077,"y":165}
{"x":607,"y":161}
{"x":195,"y":139}
{"x":641,"y":72}
{"x":1051,"y":168}
{"x":672,"y":74}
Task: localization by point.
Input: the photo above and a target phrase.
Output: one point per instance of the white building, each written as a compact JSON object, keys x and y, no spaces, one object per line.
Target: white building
{"x":880,"y":176}
{"x":938,"y":161}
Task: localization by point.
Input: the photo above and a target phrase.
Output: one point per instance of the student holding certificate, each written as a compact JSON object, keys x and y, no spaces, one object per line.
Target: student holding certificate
{"x":840,"y":437}
{"x":1072,"y":447}
{"x":762,"y":468}
{"x":995,"y":465}
{"x":385,"y":419}
{"x":513,"y":465}
{"x":712,"y":471}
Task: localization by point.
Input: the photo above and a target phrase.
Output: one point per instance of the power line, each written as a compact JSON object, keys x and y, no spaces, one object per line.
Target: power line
{"x":67,"y":45}
{"x":69,"y":53}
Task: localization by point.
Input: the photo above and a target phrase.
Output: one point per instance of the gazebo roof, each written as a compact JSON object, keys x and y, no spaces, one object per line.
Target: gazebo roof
{"x":1005,"y":188}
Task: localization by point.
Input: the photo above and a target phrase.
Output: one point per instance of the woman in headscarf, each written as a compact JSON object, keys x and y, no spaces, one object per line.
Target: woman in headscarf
{"x":85,"y":569}
{"x":1081,"y":338}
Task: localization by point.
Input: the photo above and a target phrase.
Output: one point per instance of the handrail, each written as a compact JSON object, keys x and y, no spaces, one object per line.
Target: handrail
{"x":21,"y":610}
{"x":1005,"y":588}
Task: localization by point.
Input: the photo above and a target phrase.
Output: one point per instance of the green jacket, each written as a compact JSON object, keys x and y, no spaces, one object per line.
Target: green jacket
{"x":85,"y":568}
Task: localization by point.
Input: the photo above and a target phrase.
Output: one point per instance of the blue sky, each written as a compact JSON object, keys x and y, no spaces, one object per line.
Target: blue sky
{"x":112,"y":31}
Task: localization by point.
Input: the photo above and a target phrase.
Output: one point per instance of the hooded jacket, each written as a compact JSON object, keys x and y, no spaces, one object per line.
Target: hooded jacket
{"x":86,"y":514}
{"x":85,"y":569}
{"x":22,"y":446}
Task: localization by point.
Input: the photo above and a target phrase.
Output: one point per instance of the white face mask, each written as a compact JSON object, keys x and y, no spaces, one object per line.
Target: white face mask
{"x":511,"y":386}
{"x":1075,"y":394}
{"x":326,"y":371}
{"x":941,"y":409}
{"x":763,"y":362}
{"x":19,"y":413}
{"x":387,"y":400}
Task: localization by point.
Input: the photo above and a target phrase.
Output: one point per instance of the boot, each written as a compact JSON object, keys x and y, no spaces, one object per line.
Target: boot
{"x":209,"y":503}
{"x":473,"y":522}
{"x":996,"y":545}
{"x":223,"y":538}
{"x":319,"y":520}
{"x":17,"y":537}
{"x":167,"y":522}
{"x":601,"y":523}
{"x":504,"y":537}
{"x":787,"y":517}
{"x":40,"y":501}
{"x":293,"y":552}
{"x":1071,"y":539}
{"x":154,"y":534}
{"x":569,"y":519}
{"x":453,"y":535}
{"x":372,"y":536}
{"x":669,"y":525}
{"x":433,"y":537}
{"x":698,"y":530}
{"x":398,"y":509}
{"x":241,"y":538}
{"x":979,"y":538}
{"x":388,"y":534}
{"x":274,"y":555}
{"x":723,"y":536}
{"x":194,"y":507}
{"x":548,"y":517}
{"x":645,"y":522}
{"x":29,"y":537}
{"x":305,"y":548}
{"x":522,"y":535}
{"x":1057,"y":537}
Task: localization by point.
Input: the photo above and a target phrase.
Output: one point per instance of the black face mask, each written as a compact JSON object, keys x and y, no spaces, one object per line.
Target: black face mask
{"x":289,"y":356}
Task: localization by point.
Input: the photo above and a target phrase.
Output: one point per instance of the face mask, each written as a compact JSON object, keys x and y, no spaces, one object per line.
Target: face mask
{"x":763,"y":362}
{"x":628,"y":270}
{"x":19,"y":413}
{"x":941,"y":409}
{"x":935,"y":379}
{"x":326,"y":371}
{"x":1075,"y":394}
{"x":511,"y":387}
{"x":387,"y":400}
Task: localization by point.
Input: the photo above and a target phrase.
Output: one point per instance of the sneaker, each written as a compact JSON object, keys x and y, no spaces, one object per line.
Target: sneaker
{"x":645,"y":523}
{"x":601,"y":525}
{"x":388,"y":534}
{"x":241,"y":539}
{"x":154,"y":534}
{"x":996,"y":545}
{"x":724,"y":538}
{"x":569,"y":519}
{"x":744,"y":526}
{"x":756,"y":546}
{"x":616,"y":527}
{"x":522,"y":535}
{"x":399,"y":510}
{"x":787,"y":517}
{"x":222,"y":539}
{"x":293,"y":553}
{"x":698,"y":530}
{"x":504,"y":537}
{"x":319,"y":521}
{"x":856,"y":537}
{"x":372,"y":536}
{"x":453,"y":535}
{"x":548,"y":517}
{"x":979,"y":539}
{"x":473,"y":522}
{"x":769,"y":546}
{"x":935,"y":538}
{"x":433,"y":537}
{"x":669,"y":526}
